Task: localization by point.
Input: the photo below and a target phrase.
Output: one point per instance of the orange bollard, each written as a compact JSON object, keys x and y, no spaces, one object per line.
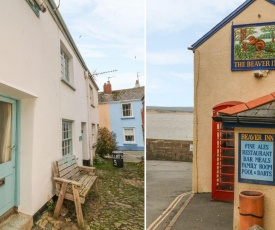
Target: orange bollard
{"x":251,"y":209}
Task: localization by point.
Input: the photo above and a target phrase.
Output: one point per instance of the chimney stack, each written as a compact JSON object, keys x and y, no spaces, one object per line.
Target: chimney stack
{"x":107,"y":88}
{"x":137,"y":84}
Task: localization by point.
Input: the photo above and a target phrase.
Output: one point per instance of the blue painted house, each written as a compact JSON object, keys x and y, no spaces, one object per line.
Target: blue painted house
{"x":120,"y":112}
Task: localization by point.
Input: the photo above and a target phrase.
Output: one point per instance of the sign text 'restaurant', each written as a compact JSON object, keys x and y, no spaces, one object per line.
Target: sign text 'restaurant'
{"x":256,"y":158}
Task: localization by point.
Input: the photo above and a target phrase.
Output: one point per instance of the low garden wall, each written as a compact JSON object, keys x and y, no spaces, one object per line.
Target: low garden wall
{"x":169,"y":150}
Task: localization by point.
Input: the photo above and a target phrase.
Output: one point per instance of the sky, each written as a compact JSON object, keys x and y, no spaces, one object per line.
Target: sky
{"x":171,"y":27}
{"x":110,"y":35}
{"x":148,"y":39}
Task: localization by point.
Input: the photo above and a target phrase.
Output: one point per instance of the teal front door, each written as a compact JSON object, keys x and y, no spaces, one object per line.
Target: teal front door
{"x":7,"y":153}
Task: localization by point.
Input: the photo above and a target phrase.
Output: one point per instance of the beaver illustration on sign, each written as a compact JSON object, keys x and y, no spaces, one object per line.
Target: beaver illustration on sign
{"x":258,"y":43}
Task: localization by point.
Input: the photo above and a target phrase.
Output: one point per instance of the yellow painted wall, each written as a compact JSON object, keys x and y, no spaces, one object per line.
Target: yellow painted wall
{"x":267,"y":190}
{"x":104,"y":116}
{"x":214,"y":83}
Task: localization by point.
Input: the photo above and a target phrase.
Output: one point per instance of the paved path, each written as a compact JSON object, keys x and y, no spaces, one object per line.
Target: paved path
{"x":133,"y":156}
{"x":165,"y":180}
{"x":167,"y":210}
{"x":203,"y":214}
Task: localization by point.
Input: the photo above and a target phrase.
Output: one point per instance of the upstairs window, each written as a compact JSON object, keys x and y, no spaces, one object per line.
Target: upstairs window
{"x":64,"y":66}
{"x":34,"y":6}
{"x":127,"y":110}
{"x":91,"y":96}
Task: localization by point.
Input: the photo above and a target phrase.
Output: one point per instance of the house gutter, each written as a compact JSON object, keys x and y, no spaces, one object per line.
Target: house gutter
{"x":62,"y":25}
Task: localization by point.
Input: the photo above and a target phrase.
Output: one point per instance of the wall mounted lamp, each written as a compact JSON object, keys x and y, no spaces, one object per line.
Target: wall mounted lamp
{"x":261,"y":73}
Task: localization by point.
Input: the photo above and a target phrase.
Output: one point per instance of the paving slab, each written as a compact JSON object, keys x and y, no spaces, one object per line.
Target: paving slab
{"x":133,"y":156}
{"x":18,"y":221}
{"x":165,"y":180}
{"x":203,"y":214}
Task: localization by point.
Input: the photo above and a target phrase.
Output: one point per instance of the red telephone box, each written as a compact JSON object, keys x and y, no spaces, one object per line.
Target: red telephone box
{"x":223,"y":157}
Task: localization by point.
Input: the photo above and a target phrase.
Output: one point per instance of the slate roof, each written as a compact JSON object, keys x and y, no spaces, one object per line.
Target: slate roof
{"x":121,"y":95}
{"x":226,"y":20}
{"x":260,"y":111}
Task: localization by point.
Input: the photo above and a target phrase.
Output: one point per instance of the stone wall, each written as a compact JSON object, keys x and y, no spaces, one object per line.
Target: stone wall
{"x":169,"y":150}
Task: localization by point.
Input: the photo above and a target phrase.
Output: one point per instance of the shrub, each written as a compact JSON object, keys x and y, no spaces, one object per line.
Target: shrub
{"x":106,"y":142}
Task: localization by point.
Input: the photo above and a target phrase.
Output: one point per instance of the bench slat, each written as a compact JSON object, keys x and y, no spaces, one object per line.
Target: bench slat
{"x":66,"y":159}
{"x":88,"y":186}
{"x":67,"y":168}
{"x":71,"y":173}
{"x":67,"y":164}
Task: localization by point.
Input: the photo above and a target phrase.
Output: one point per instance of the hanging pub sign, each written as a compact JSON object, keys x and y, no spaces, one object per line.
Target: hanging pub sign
{"x":253,"y":46}
{"x":256,"y":158}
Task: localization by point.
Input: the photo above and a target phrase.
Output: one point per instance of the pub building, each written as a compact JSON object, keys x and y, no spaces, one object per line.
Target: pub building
{"x":234,"y":116}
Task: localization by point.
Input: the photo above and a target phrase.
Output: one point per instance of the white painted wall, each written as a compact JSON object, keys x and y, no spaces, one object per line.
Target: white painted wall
{"x":94,"y":119}
{"x":30,"y":72}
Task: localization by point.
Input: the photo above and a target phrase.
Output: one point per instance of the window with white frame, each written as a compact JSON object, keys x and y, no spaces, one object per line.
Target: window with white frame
{"x":91,"y":96}
{"x":64,"y":66}
{"x":127,"y":110}
{"x":66,"y":138}
{"x":34,"y":6}
{"x":129,"y":135}
{"x":93,"y":132}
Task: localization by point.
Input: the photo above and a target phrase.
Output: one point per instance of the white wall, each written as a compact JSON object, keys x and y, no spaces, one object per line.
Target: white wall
{"x":30,"y":72}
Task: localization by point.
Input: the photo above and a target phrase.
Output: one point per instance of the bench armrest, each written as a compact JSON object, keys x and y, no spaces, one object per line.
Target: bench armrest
{"x":61,"y":180}
{"x":86,"y":168}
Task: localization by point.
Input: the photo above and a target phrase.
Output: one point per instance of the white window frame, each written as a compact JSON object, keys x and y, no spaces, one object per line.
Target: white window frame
{"x":67,"y":137}
{"x":65,"y":70}
{"x":125,"y":134}
{"x":91,"y":95}
{"x":93,"y":132}
{"x":122,"y":110}
{"x":66,"y":66}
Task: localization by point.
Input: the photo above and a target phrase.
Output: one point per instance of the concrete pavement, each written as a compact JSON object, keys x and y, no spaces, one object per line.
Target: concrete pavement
{"x":133,"y":156}
{"x":165,"y":181}
{"x":203,"y":214}
{"x":170,"y":206}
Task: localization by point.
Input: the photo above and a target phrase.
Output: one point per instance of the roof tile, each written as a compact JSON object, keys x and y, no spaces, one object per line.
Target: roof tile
{"x":121,"y":95}
{"x":273,"y":94}
{"x":260,"y":101}
{"x":235,"y":109}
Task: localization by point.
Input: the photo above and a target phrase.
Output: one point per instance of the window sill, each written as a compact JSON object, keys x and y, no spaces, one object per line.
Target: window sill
{"x":68,"y":84}
{"x":127,"y":118}
{"x":129,"y":143}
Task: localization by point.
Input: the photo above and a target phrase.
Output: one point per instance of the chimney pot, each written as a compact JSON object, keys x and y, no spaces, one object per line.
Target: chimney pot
{"x":137,"y":84}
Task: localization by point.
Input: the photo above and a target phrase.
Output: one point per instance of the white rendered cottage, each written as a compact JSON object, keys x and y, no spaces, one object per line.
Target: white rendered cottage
{"x":48,"y":102}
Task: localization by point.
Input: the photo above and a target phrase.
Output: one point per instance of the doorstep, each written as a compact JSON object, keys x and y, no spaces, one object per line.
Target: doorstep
{"x":18,"y":221}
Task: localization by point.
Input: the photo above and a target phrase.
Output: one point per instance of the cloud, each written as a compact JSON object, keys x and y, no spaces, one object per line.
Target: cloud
{"x":176,"y":15}
{"x":119,"y":25}
{"x":160,"y":81}
{"x":172,"y":57}
{"x":170,"y":89}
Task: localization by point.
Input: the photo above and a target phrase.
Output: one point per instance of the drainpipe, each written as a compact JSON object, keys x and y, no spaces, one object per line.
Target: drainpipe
{"x":86,"y":76}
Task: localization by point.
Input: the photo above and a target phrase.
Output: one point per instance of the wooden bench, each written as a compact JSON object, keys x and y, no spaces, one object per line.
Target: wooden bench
{"x":73,"y":182}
